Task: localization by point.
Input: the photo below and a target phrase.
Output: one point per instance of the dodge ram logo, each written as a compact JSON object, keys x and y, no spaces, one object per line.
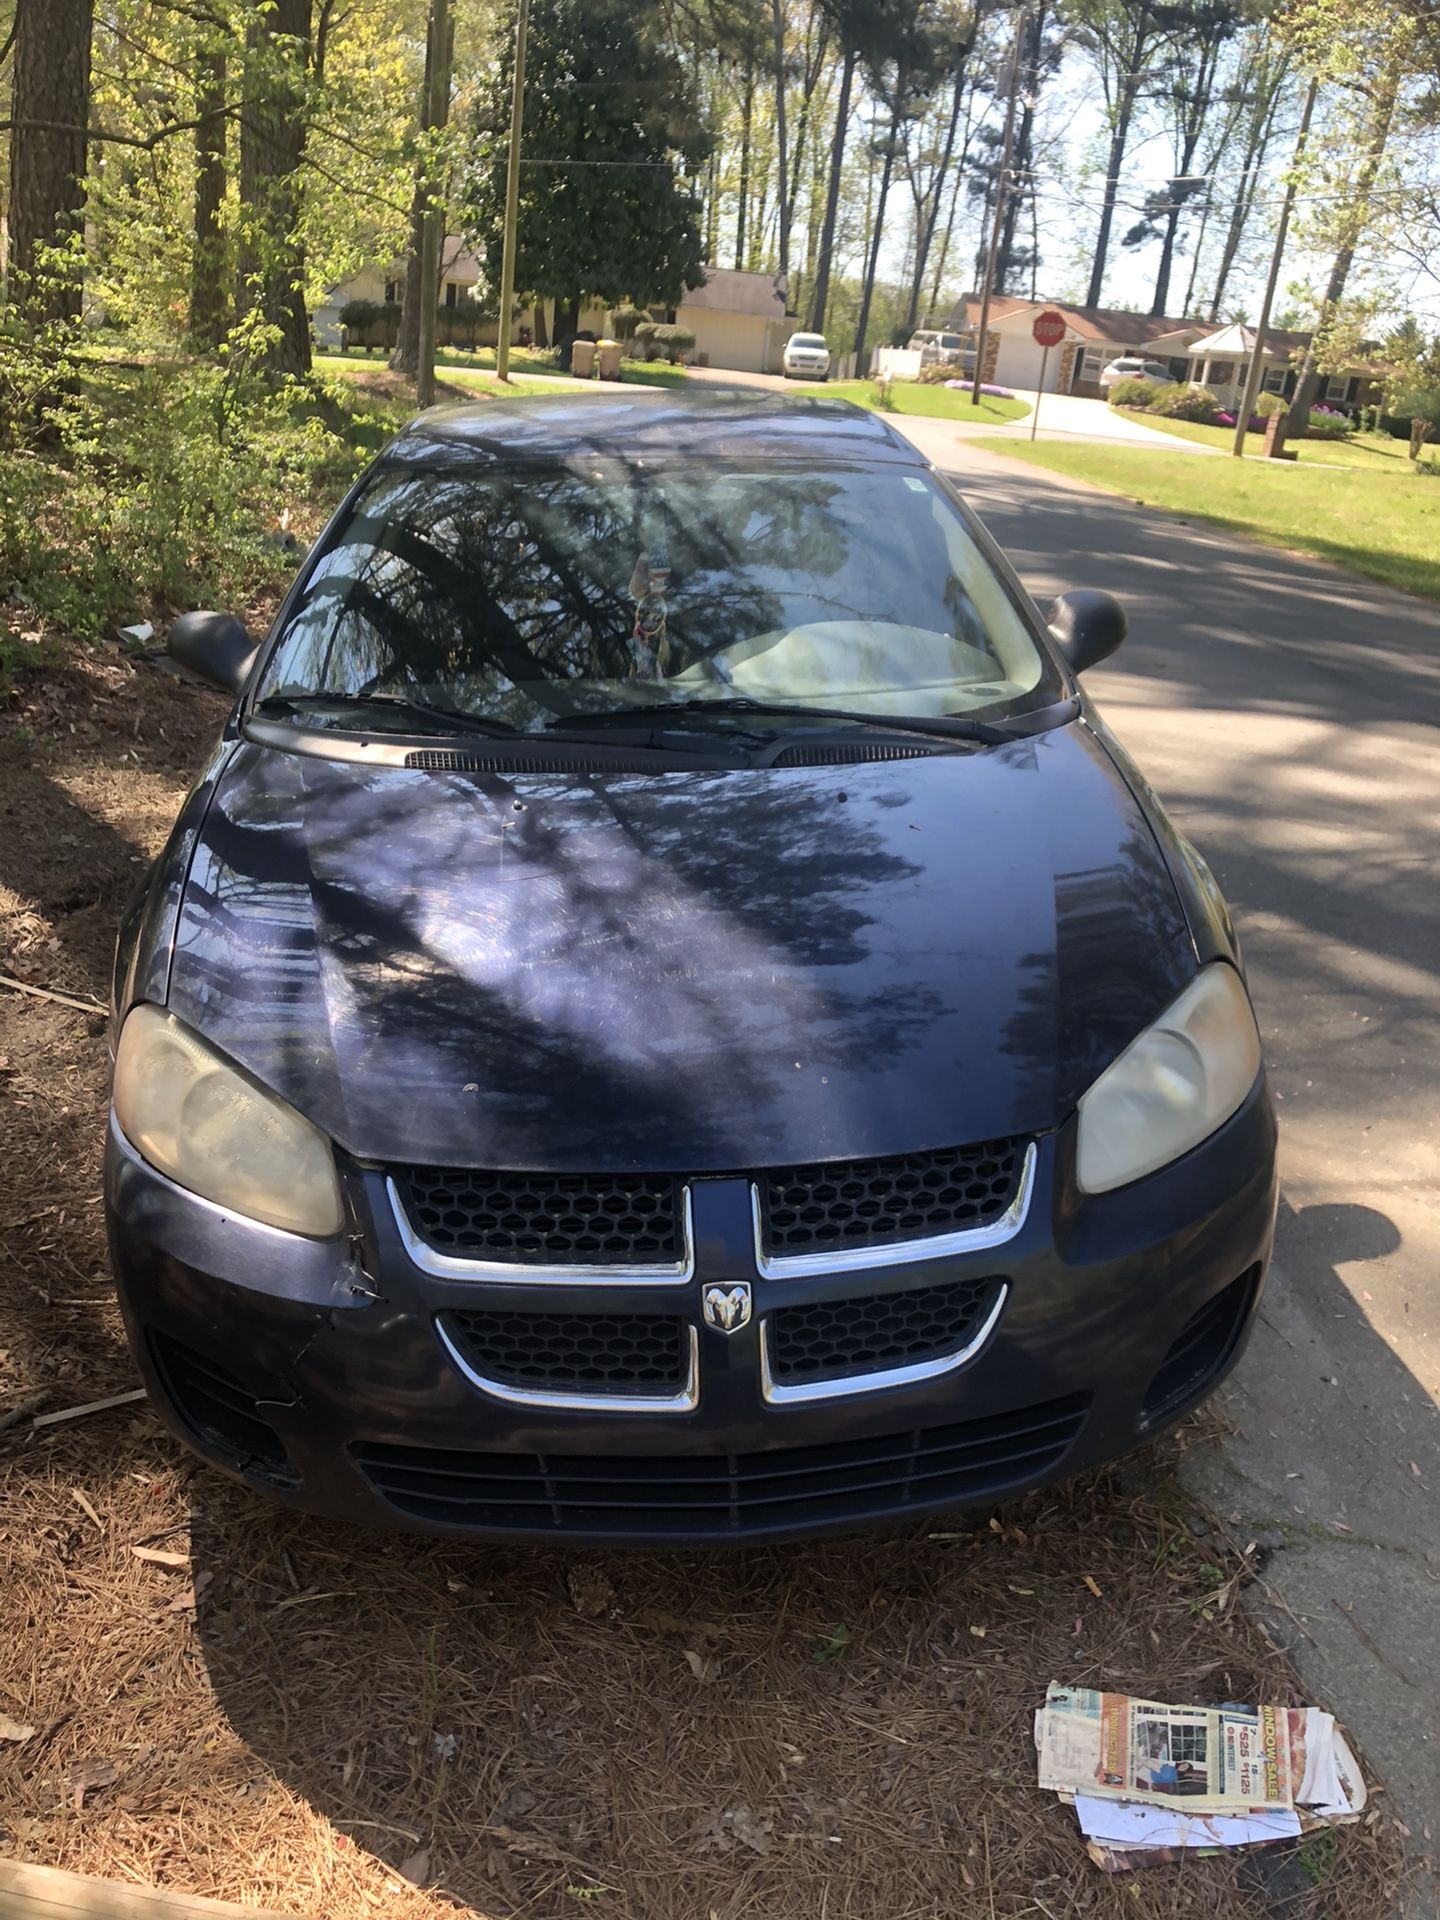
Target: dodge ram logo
{"x":727,"y":1308}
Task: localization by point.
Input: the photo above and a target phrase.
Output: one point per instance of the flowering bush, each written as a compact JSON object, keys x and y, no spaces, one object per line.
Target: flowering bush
{"x":1186,"y":403}
{"x":1133,"y":393}
{"x":1328,"y":423}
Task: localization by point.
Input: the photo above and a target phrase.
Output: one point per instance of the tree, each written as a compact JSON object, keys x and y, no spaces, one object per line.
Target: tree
{"x":207,"y":264}
{"x":901,"y":85}
{"x":1040,"y":55}
{"x":1188,"y":85}
{"x":612,"y":140}
{"x":1253,"y":98}
{"x":1413,"y":390}
{"x":272,"y":151}
{"x":50,"y":116}
{"x":1120,"y":36}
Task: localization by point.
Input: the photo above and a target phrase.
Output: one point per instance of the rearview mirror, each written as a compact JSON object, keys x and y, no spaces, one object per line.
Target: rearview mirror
{"x":216,"y":647}
{"x":1087,"y":626}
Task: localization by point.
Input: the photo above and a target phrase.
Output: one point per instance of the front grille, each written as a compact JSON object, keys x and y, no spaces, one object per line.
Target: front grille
{"x":546,"y":1219}
{"x":704,"y":1496}
{"x":866,"y":1203}
{"x":630,"y":1353}
{"x":1201,"y":1348}
{"x":223,"y":1415}
{"x":830,"y":1339}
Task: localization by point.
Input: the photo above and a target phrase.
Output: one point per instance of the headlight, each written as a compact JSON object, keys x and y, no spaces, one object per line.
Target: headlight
{"x":1172,"y":1087}
{"x":216,"y":1131}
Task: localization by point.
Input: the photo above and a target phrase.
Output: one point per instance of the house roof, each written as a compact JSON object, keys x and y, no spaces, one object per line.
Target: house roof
{"x":1237,"y":339}
{"x":727,"y":290}
{"x":1112,"y":325}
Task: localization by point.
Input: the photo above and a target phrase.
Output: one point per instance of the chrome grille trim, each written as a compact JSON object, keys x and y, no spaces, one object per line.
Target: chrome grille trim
{"x":685,"y":1401}
{"x":897,"y":1253}
{"x":884,"y":1380}
{"x":455,"y":1266}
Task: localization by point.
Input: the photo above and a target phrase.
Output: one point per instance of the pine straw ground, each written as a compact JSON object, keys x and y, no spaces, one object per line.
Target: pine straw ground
{"x":298,"y":1716}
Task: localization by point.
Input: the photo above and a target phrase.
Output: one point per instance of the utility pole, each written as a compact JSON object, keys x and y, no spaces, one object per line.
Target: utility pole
{"x":1001,"y":188}
{"x":437,"y":113}
{"x":512,"y":197}
{"x":1253,"y":373}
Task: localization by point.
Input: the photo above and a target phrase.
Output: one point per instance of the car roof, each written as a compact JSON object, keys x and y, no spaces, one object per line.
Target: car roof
{"x":636,"y":423}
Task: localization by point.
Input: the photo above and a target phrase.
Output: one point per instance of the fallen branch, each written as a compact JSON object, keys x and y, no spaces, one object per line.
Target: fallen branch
{"x":13,"y":1415}
{"x":82,"y":1004}
{"x":62,"y":1414}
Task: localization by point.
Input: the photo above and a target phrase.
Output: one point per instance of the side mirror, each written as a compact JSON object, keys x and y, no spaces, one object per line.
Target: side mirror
{"x":1087,"y":626}
{"x":216,"y":647}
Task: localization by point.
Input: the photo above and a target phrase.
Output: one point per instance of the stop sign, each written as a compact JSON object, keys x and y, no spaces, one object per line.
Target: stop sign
{"x":1049,"y":328}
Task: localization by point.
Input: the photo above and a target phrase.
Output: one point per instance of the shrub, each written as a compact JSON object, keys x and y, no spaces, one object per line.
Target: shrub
{"x":1186,"y":403}
{"x":1326,"y":424}
{"x":644,"y":338}
{"x":625,"y":319}
{"x":673,"y":342}
{"x":1267,"y":404}
{"x":137,"y":490}
{"x":1132,"y":393}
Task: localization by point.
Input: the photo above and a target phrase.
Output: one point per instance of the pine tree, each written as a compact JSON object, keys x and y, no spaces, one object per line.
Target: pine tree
{"x":611,"y":138}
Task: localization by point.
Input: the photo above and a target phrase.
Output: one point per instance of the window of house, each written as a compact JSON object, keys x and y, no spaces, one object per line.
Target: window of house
{"x":452,"y":293}
{"x":1274,"y":381}
{"x":1337,"y":388}
{"x":389,"y":293}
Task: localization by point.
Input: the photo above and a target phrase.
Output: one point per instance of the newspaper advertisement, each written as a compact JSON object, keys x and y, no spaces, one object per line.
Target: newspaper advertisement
{"x":1201,"y":1759}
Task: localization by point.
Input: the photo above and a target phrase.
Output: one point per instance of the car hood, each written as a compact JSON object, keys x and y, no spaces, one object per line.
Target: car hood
{"x":695,"y":971}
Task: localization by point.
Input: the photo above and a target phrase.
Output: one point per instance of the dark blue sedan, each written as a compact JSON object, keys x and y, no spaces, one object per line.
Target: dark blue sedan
{"x":667,"y":1016}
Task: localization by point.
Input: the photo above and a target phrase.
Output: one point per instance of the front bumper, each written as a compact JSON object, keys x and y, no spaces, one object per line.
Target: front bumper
{"x":319,"y":1371}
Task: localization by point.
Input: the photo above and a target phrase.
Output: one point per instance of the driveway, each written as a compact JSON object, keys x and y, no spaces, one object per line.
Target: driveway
{"x":1289,"y":715}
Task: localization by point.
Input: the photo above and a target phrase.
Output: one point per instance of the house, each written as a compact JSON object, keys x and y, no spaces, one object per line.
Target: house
{"x":739,"y":320}
{"x":1221,"y":361}
{"x":1094,"y":336}
{"x":459,"y":271}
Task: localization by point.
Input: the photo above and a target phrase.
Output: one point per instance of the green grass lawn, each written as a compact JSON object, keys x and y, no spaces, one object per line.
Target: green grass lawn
{"x":525,"y":365}
{"x":930,"y":403}
{"x":1382,"y":524}
{"x":1373,"y":452}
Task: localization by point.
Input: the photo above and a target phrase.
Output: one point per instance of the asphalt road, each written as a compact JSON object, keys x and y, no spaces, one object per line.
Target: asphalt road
{"x":1289,"y":716}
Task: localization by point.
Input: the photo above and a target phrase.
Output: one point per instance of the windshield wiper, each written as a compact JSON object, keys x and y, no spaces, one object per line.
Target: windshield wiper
{"x":451,"y":718}
{"x":944,"y":726}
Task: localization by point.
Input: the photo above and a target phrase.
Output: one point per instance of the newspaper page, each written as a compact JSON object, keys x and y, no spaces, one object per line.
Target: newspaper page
{"x":1204,"y":1759}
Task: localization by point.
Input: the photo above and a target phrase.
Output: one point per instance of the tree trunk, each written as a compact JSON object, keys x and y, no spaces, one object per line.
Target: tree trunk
{"x":567,"y":321}
{"x":1308,"y":385}
{"x":207,"y":262}
{"x":1256,"y":147}
{"x":743,"y":196}
{"x":867,"y":291}
{"x":50,"y":99}
{"x":932,"y":210}
{"x":820,"y":296}
{"x":1119,"y":140}
{"x":782,"y":162}
{"x":405,"y":356}
{"x":272,"y":149}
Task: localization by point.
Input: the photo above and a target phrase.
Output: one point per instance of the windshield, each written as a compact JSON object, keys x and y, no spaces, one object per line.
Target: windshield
{"x":807,"y":340}
{"x":539,"y":593}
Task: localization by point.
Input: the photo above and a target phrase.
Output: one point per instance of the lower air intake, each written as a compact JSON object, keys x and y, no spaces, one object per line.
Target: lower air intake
{"x":700,"y":1497}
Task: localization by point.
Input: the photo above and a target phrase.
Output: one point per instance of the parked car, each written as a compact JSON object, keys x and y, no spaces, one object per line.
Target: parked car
{"x":667,"y":1015}
{"x":944,"y":349}
{"x":1129,"y":368}
{"x":806,"y":356}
